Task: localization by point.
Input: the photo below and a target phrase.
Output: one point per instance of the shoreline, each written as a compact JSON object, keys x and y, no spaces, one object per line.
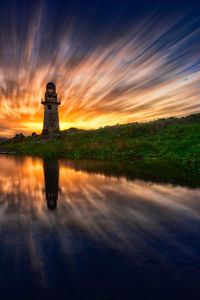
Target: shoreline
{"x":156,"y":171}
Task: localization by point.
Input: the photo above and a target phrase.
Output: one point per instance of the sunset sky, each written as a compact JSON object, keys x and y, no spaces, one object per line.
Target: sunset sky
{"x":112,"y":61}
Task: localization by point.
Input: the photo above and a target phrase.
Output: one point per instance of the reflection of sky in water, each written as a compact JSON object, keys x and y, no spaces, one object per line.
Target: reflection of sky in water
{"x":144,"y":222}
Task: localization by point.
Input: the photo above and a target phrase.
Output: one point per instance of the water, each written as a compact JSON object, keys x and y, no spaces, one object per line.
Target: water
{"x":67,"y":231}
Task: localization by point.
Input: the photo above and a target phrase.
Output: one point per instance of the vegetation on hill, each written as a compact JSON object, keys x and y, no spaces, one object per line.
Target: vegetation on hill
{"x":172,"y":139}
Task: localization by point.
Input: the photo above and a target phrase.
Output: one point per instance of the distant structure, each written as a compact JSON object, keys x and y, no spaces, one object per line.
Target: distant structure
{"x":51,"y":119}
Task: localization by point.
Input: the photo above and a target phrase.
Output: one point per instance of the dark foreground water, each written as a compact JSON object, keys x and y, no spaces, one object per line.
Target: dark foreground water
{"x":70,"y":234}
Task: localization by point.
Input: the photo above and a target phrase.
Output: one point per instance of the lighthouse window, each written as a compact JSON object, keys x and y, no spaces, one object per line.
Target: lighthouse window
{"x":49,"y":106}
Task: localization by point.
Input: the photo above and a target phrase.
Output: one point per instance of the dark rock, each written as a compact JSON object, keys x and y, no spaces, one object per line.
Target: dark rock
{"x":45,"y":131}
{"x":19,"y":135}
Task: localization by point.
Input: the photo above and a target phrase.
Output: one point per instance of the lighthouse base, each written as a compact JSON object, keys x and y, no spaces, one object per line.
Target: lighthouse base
{"x":51,"y":119}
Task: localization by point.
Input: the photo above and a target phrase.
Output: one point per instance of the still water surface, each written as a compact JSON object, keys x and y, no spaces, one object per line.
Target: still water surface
{"x":67,"y":233}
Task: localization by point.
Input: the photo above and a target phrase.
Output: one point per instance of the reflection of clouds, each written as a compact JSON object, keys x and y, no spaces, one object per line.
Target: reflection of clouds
{"x":96,"y":204}
{"x":117,"y":213}
{"x":21,"y":181}
{"x":101,"y":206}
{"x":150,"y":70}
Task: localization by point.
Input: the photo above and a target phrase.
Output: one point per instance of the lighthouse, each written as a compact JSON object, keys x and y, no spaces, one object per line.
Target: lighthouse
{"x":51,"y":118}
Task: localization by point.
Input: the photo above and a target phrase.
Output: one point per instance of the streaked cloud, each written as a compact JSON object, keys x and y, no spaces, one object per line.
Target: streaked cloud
{"x":136,"y":70}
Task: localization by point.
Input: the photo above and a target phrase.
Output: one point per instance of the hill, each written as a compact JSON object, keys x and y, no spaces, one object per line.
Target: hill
{"x":164,"y":139}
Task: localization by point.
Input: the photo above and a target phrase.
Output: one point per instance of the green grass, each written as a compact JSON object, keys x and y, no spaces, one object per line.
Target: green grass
{"x":164,"y":139}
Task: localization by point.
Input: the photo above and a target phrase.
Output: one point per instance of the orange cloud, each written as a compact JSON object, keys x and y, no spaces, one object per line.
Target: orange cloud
{"x":149,"y":72}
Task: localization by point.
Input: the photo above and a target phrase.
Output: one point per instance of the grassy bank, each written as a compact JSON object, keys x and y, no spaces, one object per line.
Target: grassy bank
{"x":164,"y":139}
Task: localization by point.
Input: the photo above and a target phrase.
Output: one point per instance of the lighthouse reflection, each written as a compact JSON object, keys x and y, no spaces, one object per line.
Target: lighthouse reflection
{"x":51,"y":176}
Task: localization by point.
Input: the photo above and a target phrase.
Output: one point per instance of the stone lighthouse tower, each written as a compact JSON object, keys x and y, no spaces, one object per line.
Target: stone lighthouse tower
{"x":51,"y":119}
